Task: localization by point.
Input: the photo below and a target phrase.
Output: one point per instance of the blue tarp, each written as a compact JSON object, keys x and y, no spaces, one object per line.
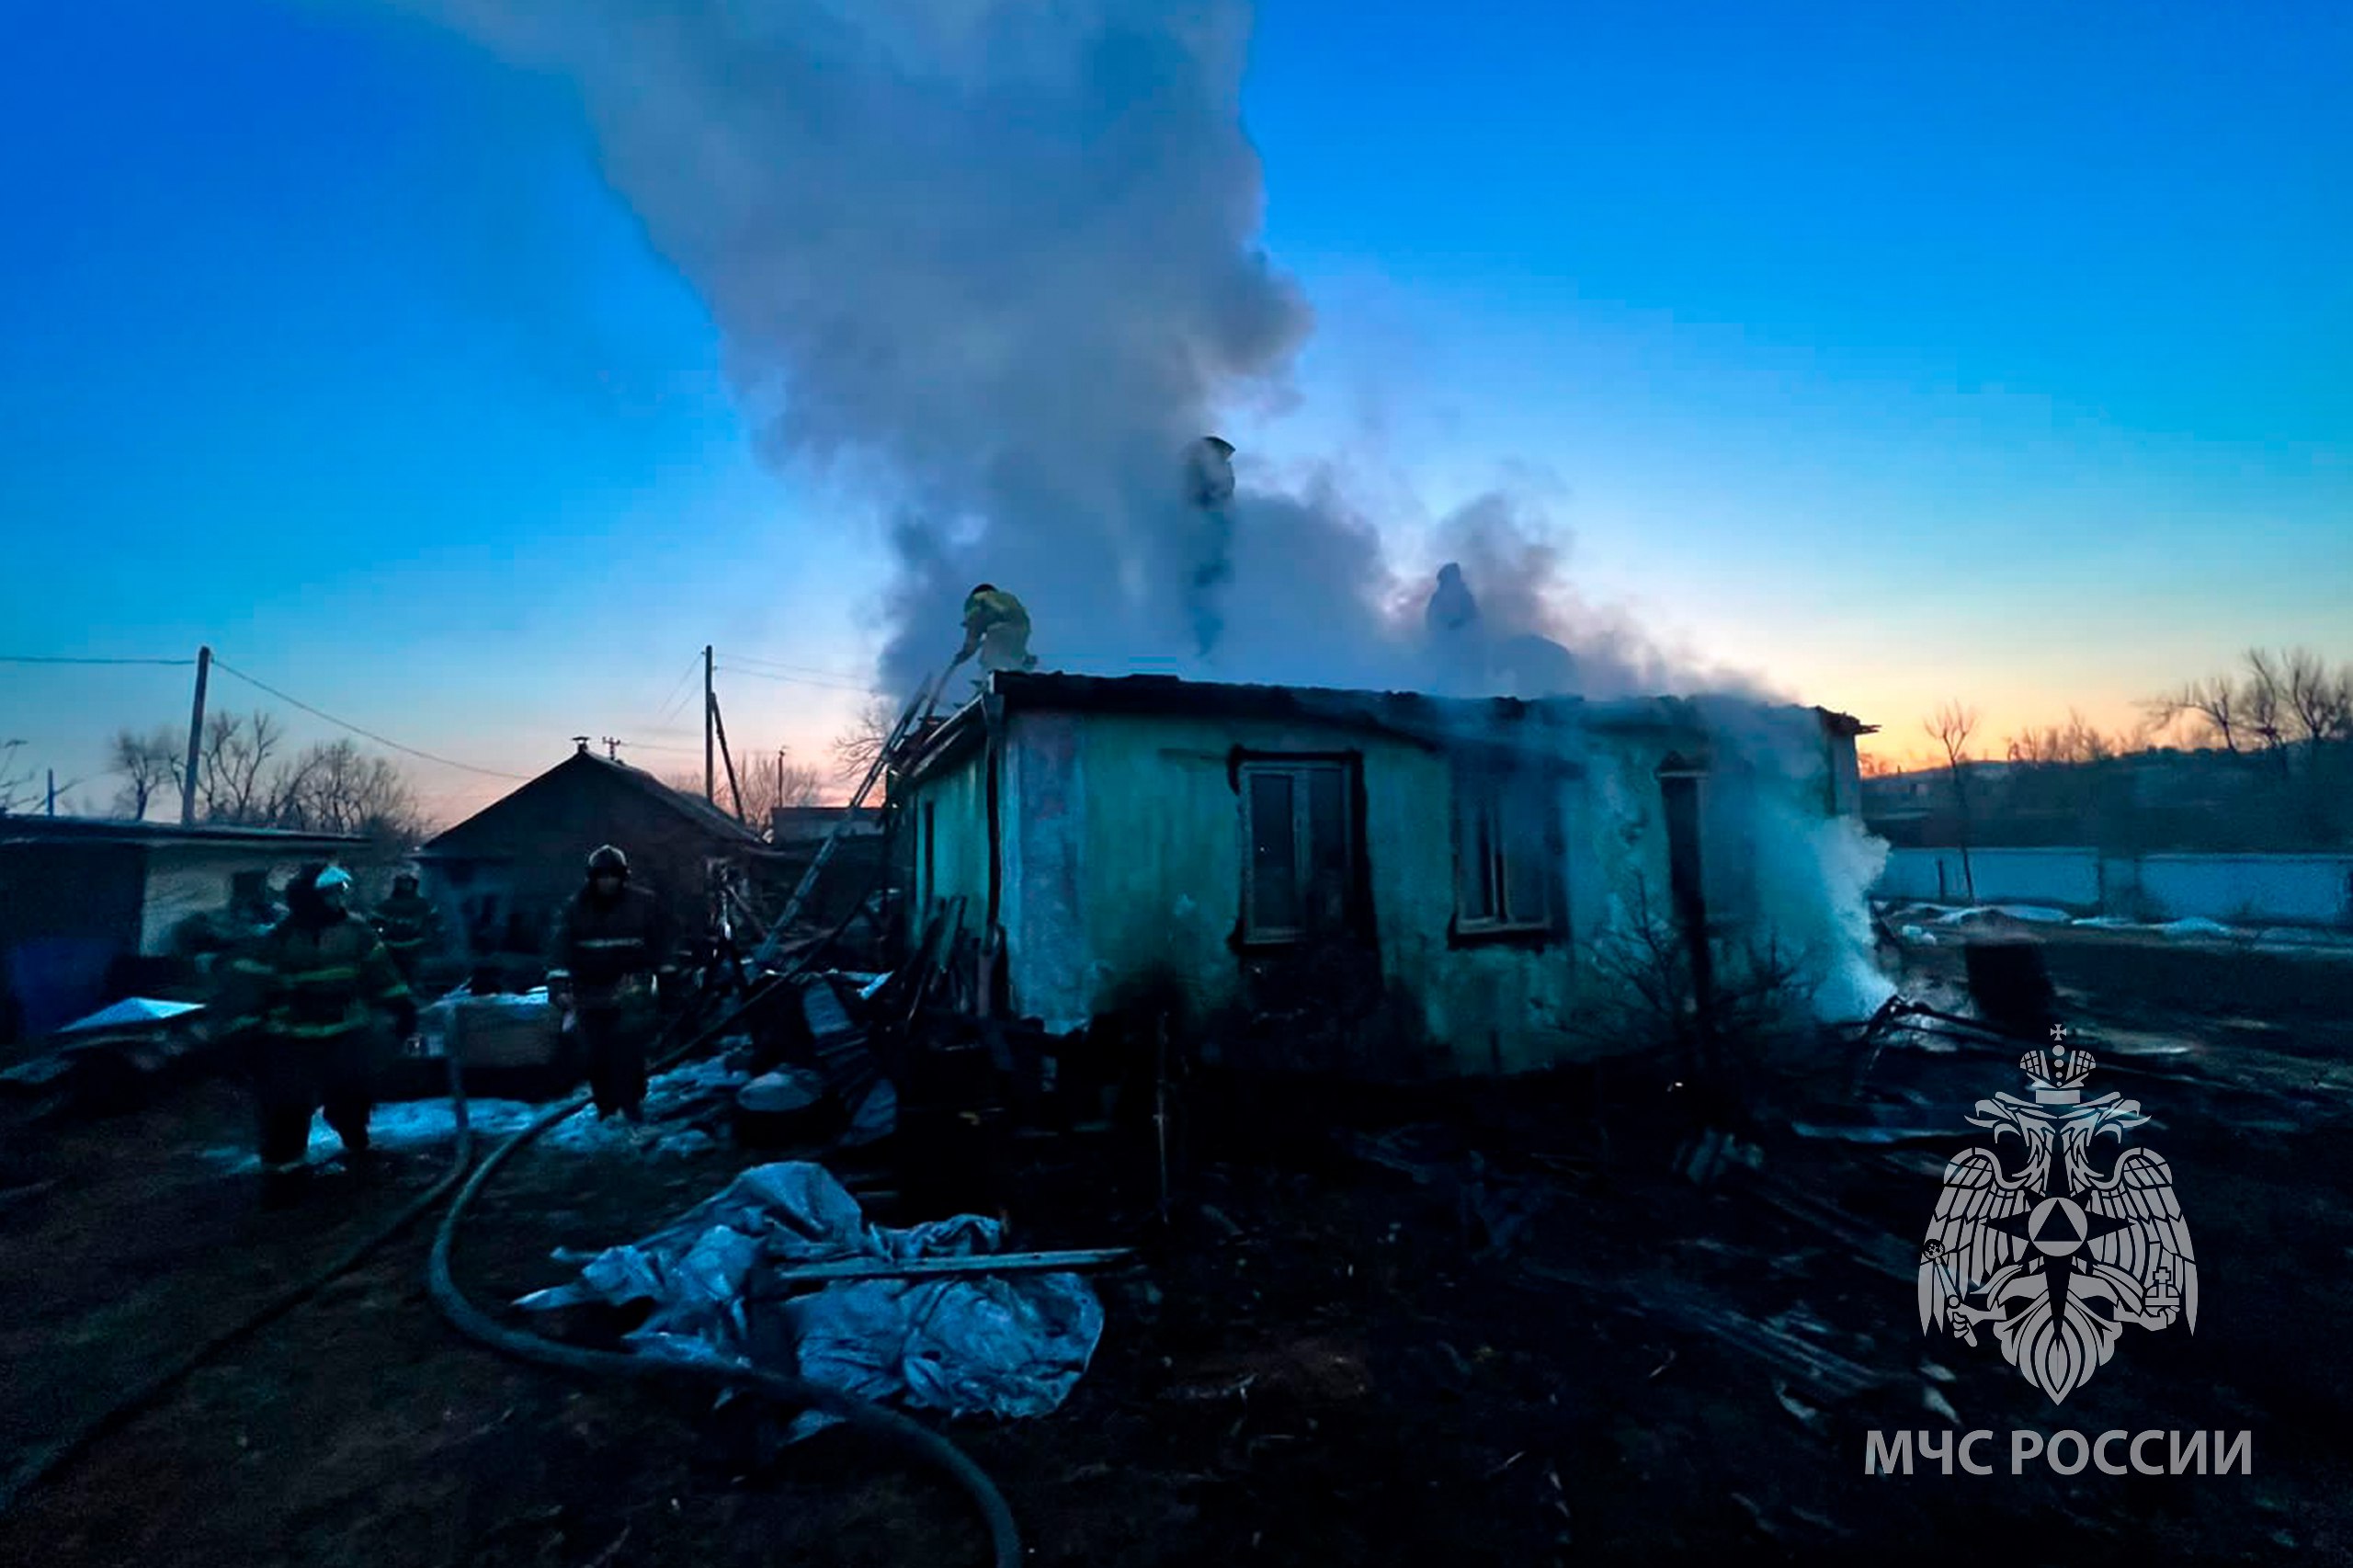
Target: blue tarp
{"x":998,"y":1345}
{"x":132,"y":1013}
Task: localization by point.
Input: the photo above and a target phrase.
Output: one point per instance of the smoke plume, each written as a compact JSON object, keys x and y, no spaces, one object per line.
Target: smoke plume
{"x":992,"y":268}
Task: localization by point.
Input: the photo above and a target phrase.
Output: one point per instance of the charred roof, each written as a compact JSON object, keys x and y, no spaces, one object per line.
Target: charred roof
{"x":1436,"y":722}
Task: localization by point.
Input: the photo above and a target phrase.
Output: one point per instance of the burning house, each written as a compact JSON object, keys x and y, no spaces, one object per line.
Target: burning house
{"x":1464,"y":860}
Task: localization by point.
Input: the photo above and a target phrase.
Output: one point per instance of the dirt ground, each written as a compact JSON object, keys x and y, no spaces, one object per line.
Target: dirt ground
{"x":1486,"y":1327}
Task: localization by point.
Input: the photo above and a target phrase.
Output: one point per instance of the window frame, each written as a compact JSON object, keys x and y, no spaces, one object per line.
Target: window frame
{"x":1482,"y":788}
{"x":1300,"y":768}
{"x":1692,"y":905}
{"x":927,"y":855}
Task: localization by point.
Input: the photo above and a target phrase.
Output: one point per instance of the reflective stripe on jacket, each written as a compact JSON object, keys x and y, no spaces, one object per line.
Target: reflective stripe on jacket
{"x":601,"y":946}
{"x":407,"y":923}
{"x":307,"y":983}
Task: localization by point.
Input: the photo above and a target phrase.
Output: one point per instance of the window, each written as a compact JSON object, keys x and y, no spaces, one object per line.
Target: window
{"x":1508,"y":850}
{"x":928,"y":837}
{"x":1300,"y":862}
{"x":1685,"y":873}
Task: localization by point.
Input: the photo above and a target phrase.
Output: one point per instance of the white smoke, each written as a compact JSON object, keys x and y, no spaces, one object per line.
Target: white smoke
{"x":992,"y":266}
{"x":1810,"y":873}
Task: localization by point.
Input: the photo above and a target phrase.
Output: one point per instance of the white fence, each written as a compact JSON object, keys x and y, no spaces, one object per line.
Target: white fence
{"x":2278,"y":889}
{"x":2068,"y":878}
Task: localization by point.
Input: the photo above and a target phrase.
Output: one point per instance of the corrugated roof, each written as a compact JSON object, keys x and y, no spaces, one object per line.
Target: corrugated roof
{"x":84,"y":829}
{"x":1408,"y":715}
{"x":704,"y":816}
{"x":695,"y":809}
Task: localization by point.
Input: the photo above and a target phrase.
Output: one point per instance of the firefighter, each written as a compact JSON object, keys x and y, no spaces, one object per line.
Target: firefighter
{"x":611,"y":954}
{"x":303,"y":1005}
{"x":1455,"y":644}
{"x":998,"y":628}
{"x":410,"y":926}
{"x":1209,"y":472}
{"x":1209,"y":540}
{"x":1451,"y":611}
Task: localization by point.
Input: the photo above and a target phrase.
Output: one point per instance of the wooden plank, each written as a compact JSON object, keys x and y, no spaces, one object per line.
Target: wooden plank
{"x":925,"y":1267}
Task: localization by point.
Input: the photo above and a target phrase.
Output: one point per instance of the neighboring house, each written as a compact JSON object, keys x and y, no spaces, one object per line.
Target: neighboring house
{"x":501,"y":875}
{"x":808,"y":825}
{"x":81,"y":901}
{"x":1109,"y":835}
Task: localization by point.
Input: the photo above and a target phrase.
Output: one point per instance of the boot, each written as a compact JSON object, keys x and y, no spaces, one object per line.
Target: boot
{"x":358,"y":1153}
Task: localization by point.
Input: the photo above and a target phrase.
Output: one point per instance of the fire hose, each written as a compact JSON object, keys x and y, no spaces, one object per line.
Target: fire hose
{"x":916,"y":1440}
{"x":47,"y":1458}
{"x":912,"y":1439}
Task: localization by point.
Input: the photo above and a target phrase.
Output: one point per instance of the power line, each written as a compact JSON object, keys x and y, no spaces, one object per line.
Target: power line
{"x":799,"y":680}
{"x":226,"y":668}
{"x":671,"y":703}
{"x":167,"y":664}
{"x":797,"y":669}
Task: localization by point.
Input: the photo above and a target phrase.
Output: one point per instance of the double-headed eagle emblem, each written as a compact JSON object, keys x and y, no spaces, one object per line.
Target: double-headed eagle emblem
{"x":2056,"y":1256}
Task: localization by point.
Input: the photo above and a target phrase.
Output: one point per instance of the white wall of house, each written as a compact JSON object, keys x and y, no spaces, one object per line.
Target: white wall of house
{"x":184,"y":879}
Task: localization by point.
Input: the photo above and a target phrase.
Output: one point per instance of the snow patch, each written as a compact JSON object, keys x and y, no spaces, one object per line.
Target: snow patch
{"x":403,"y":1124}
{"x":424,"y":1124}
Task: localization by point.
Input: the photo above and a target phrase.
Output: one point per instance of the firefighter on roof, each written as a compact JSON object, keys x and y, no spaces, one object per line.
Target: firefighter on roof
{"x":998,"y":628}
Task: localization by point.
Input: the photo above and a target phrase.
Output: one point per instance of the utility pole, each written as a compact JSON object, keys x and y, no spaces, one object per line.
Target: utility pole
{"x":612,"y":749}
{"x":710,"y":743}
{"x":195,"y":739}
{"x":718,"y":726}
{"x":52,"y":791}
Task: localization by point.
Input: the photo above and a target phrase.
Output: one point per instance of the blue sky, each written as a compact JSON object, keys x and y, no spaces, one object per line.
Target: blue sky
{"x":1997,"y":354}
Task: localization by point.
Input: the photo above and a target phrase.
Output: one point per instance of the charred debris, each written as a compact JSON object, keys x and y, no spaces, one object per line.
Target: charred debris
{"x":1296,"y":1212}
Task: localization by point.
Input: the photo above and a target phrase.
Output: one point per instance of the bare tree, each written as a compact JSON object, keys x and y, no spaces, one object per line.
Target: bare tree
{"x":17,"y":788}
{"x":286,"y":790}
{"x":2213,"y":703}
{"x":149,"y":766}
{"x":2318,"y":700}
{"x":2264,"y":696}
{"x":2058,"y":771}
{"x":1950,"y":727}
{"x":779,"y":782}
{"x":234,"y":780}
{"x":862,"y":739}
{"x":2074,"y":743}
{"x":337,"y":788}
{"x":2279,"y":701}
{"x":797,"y":785}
